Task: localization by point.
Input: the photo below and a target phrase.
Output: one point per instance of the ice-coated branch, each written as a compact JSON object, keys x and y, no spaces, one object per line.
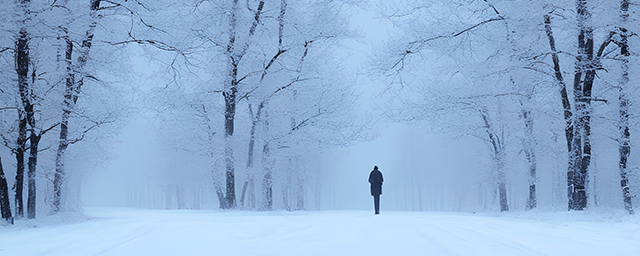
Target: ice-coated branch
{"x":416,"y":46}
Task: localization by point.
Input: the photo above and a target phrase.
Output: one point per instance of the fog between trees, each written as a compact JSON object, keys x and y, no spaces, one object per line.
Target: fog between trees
{"x":270,"y":105}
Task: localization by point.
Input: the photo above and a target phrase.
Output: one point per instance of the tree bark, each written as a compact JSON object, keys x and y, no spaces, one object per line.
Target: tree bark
{"x":531,"y":159}
{"x":252,"y":142}
{"x":22,"y":69}
{"x":234,"y":55}
{"x":267,"y":183}
{"x":499,"y":158}
{"x":19,"y":151}
{"x":26,"y":116}
{"x":34,"y":141}
{"x":568,"y":114}
{"x":577,"y":176}
{"x":5,"y":207}
{"x":31,"y":174}
{"x":72,"y":90}
{"x":257,"y":117}
{"x":623,"y":124}
{"x":229,"y":94}
{"x":63,"y":142}
{"x":300,"y":188}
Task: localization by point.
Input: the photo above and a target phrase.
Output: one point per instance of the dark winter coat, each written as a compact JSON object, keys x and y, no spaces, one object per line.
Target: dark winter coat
{"x":375,"y":178}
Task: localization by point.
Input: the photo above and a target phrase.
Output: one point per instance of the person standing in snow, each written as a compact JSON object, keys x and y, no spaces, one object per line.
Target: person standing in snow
{"x":375,"y":178}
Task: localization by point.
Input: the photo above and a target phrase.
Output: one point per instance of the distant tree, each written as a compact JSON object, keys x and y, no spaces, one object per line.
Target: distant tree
{"x":476,"y":83}
{"x":499,"y":156}
{"x":530,"y":153}
{"x":290,"y":71}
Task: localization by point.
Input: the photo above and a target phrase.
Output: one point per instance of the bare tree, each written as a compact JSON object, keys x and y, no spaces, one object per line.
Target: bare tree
{"x":22,"y":68}
{"x":431,"y":107}
{"x":578,"y":118}
{"x":499,"y":155}
{"x":73,"y":86}
{"x":235,"y":50}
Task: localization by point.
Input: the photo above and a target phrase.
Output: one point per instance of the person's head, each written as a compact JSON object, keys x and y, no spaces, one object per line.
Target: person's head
{"x":375,"y":168}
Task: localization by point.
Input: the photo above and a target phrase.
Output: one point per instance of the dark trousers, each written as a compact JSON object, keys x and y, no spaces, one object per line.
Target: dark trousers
{"x":376,"y":203}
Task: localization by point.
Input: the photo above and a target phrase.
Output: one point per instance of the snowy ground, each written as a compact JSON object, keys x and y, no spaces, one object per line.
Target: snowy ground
{"x":115,"y":231}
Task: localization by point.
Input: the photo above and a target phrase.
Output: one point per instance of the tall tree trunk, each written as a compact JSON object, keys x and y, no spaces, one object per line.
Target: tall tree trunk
{"x":229,"y":115}
{"x":19,"y":151}
{"x":252,"y":142}
{"x":499,"y":158}
{"x":31,"y":174}
{"x":531,"y":158}
{"x":566,"y":104}
{"x":300,"y":194}
{"x":234,"y":55}
{"x":5,"y":207}
{"x":623,"y":125}
{"x":267,"y":182}
{"x":63,"y":142}
{"x":72,"y":90}
{"x":577,"y":177}
{"x":34,"y":141}
{"x":22,"y":69}
{"x":257,"y":118}
{"x":230,"y":92}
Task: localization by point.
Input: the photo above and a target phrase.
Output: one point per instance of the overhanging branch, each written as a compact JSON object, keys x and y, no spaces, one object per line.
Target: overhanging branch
{"x":417,"y":45}
{"x":158,"y":44}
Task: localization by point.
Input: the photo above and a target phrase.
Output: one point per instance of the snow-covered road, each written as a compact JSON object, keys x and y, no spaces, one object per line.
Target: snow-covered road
{"x":114,"y":231}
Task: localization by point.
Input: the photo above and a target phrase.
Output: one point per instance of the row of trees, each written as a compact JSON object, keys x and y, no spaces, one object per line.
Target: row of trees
{"x":52,"y":97}
{"x":504,"y":63}
{"x":249,"y":93}
{"x":237,"y":80}
{"x":265,"y":93}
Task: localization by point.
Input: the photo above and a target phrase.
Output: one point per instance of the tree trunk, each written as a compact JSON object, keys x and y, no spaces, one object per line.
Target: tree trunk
{"x":72,"y":90}
{"x":531,"y":158}
{"x":22,"y":68}
{"x":300,"y":190}
{"x":252,"y":142}
{"x":5,"y":207}
{"x":221,"y":199}
{"x":34,"y":141}
{"x":33,"y":163}
{"x":624,"y":139}
{"x":19,"y":151}
{"x":230,"y":92}
{"x":267,"y":183}
{"x":229,"y":115}
{"x":502,"y":190}
{"x":577,"y":177}
{"x":63,"y":142}
{"x":499,"y":158}
{"x":234,"y":56}
{"x":568,"y":114}
{"x":27,"y":116}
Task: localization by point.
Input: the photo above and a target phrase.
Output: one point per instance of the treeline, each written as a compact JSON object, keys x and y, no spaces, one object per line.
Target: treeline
{"x":264,"y":69}
{"x":519,"y":71}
